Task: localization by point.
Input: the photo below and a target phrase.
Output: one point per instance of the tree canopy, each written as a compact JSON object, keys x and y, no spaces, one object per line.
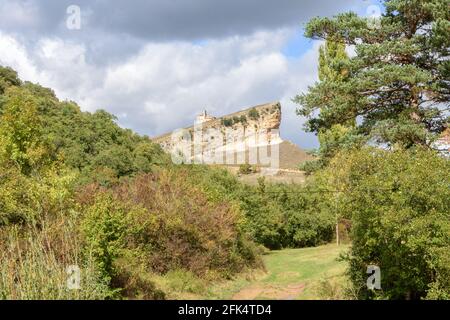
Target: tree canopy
{"x":398,"y":84}
{"x":35,"y":121}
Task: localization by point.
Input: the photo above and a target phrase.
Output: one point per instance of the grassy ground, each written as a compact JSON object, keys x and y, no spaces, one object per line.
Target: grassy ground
{"x":310,"y":273}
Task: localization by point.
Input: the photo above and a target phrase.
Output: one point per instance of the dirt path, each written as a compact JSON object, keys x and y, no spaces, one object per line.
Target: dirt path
{"x":271,"y":292}
{"x":291,"y":274}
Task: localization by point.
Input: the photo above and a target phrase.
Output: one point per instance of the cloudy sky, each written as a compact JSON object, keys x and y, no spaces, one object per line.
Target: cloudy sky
{"x":155,"y":64}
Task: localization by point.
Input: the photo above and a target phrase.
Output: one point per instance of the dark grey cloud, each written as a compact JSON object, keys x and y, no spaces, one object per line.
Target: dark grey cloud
{"x":165,"y":20}
{"x":114,"y":30}
{"x":156,"y":63}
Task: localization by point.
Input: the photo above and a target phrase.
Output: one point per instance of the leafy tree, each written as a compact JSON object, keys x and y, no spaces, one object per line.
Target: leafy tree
{"x":332,"y":67}
{"x":398,"y":82}
{"x":253,"y":114}
{"x":398,"y":204}
{"x":332,"y":61}
{"x":104,"y":228}
{"x":92,"y":143}
{"x":8,"y":78}
{"x":21,"y":139}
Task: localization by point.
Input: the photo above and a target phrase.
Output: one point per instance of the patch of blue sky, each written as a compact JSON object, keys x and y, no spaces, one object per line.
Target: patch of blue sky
{"x":201,"y":42}
{"x":297,"y":45}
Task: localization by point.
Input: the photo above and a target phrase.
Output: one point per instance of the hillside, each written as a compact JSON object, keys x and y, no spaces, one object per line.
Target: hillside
{"x":249,"y":136}
{"x":78,"y":190}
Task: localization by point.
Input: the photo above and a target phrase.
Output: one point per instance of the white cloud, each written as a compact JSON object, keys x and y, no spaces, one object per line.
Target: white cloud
{"x":23,"y":13}
{"x":15,"y":55}
{"x":164,"y":85}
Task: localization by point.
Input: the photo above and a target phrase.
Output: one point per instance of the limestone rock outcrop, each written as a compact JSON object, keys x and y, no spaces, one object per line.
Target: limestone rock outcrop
{"x":248,"y":136}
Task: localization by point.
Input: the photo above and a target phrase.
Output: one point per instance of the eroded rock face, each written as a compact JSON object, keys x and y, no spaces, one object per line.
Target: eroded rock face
{"x":248,"y":136}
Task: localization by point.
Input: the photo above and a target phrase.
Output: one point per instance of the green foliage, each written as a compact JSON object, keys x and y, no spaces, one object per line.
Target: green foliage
{"x":397,"y":79}
{"x":398,"y":203}
{"x":332,"y":61}
{"x":169,"y":224}
{"x":21,"y":139}
{"x":33,"y":184}
{"x":253,"y":114}
{"x":246,"y":169}
{"x":311,"y":166}
{"x":104,"y":229}
{"x":8,"y":78}
{"x":275,"y":216}
{"x":34,"y":263}
{"x":333,"y":139}
{"x":184,"y":281}
{"x":288,"y":216}
{"x":36,"y":124}
{"x":227,"y":122}
{"x":29,"y":200}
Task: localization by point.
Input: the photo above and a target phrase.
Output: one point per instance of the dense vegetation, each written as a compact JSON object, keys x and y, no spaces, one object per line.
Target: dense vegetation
{"x":393,"y":94}
{"x":398,"y":204}
{"x":397,"y":84}
{"x":76,"y":189}
{"x":274,"y":215}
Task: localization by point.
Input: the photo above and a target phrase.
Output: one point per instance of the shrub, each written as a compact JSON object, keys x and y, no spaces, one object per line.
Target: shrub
{"x":34,"y":263}
{"x":245,"y":169}
{"x":227,"y":122}
{"x":311,"y":166}
{"x":287,"y":215}
{"x":104,"y":228}
{"x":275,"y":216}
{"x":398,"y":203}
{"x":184,"y":281}
{"x":173,"y":224}
{"x":253,"y":114}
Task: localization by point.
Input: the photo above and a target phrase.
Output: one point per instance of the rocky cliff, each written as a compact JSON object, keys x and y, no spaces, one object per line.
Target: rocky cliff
{"x":248,"y":136}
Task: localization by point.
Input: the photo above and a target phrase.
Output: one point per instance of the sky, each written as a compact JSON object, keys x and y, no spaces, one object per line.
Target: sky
{"x":156,"y":64}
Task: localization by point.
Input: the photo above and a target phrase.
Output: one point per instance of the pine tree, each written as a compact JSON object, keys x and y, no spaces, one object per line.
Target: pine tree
{"x":398,"y":84}
{"x":332,"y":58}
{"x":332,"y":67}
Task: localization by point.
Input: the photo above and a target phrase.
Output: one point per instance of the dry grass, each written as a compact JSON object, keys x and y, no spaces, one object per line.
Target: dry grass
{"x":34,"y":264}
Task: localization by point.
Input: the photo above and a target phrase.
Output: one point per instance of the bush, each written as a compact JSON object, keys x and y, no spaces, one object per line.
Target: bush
{"x":253,"y":114}
{"x":311,"y":166}
{"x":287,"y":215}
{"x":275,"y":216}
{"x":398,"y":203}
{"x":227,"y":122}
{"x":173,"y":224}
{"x":104,"y":228}
{"x":34,"y":263}
{"x":246,"y":169}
